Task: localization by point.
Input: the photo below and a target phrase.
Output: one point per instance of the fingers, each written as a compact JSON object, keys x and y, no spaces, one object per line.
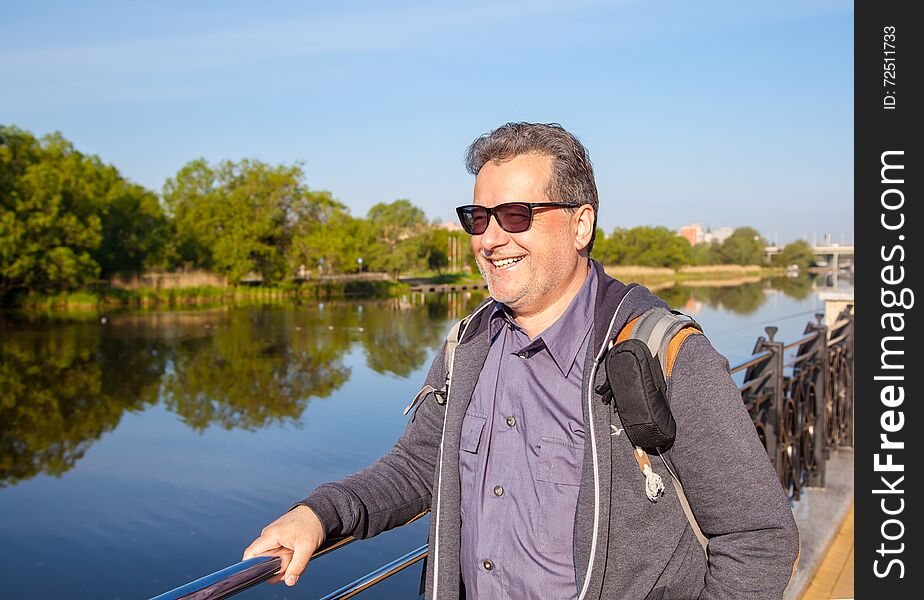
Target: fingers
{"x":261,"y":545}
{"x":285,"y":556}
{"x":296,"y":567}
{"x":294,"y":537}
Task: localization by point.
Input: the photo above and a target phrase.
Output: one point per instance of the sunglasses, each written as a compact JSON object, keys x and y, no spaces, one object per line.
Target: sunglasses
{"x":513,"y":217}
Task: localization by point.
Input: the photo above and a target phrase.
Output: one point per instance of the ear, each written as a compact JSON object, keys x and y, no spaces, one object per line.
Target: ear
{"x":583,"y":226}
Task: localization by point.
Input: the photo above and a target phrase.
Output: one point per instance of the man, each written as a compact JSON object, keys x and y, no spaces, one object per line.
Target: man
{"x":533,"y":491}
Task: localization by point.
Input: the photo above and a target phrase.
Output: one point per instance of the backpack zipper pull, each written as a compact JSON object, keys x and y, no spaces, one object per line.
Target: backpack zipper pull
{"x":420,"y":396}
{"x":654,"y":485}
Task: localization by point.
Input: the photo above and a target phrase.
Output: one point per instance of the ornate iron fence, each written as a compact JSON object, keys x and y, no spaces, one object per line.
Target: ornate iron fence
{"x":802,"y":410}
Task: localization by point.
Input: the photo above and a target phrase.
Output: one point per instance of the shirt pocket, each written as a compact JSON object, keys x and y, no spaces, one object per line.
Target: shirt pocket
{"x":558,"y":481}
{"x":472,"y":428}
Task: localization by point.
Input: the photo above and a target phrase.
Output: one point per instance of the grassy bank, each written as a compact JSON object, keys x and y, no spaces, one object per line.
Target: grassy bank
{"x":345,"y":287}
{"x":702,"y":275}
{"x":108,"y":298}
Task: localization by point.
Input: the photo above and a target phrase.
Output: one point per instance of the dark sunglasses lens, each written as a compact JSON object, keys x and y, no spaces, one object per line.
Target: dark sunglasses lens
{"x":513,"y":218}
{"x":474,"y":219}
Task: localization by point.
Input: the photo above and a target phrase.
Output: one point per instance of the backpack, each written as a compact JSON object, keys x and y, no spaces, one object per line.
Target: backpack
{"x":647,"y":348}
{"x":638,"y":364}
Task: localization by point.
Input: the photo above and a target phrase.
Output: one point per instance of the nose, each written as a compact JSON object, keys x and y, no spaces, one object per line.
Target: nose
{"x":494,"y":236}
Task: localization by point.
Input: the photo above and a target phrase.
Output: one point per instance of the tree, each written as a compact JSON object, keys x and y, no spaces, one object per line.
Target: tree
{"x":67,"y":218}
{"x":644,"y":246}
{"x":239,"y":218}
{"x":330,"y":240}
{"x":436,"y":248}
{"x":396,"y":237}
{"x":795,"y":253}
{"x":707,"y":253}
{"x":605,"y":251}
{"x":48,"y":225}
{"x":135,"y":230}
{"x":743,"y":247}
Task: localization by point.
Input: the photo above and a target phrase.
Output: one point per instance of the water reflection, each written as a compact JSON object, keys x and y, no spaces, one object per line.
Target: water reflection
{"x":256,"y":368}
{"x":66,"y":382}
{"x":743,"y":298}
{"x":61,"y":390}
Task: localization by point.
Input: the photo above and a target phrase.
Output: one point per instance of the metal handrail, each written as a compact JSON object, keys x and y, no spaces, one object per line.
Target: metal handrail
{"x":756,"y":382}
{"x":240,"y":576}
{"x":383,"y":572}
{"x":227,"y":581}
{"x":839,"y":338}
{"x":250,"y":572}
{"x":805,"y":340}
{"x":750,"y":362}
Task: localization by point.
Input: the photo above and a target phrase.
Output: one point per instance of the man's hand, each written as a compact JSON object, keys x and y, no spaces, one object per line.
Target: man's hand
{"x":294,"y":537}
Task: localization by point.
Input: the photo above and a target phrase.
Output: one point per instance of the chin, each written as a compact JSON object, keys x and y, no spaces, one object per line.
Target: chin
{"x":505,"y":295}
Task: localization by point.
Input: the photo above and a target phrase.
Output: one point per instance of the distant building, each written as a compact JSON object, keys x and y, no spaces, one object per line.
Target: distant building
{"x":697,"y":234}
{"x":719,"y":235}
{"x":693,"y":233}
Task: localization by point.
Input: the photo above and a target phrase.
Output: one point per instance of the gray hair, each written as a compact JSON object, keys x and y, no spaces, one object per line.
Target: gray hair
{"x":572,"y":177}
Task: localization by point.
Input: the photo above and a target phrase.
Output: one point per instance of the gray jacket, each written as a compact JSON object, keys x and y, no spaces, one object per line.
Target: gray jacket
{"x":625,"y":546}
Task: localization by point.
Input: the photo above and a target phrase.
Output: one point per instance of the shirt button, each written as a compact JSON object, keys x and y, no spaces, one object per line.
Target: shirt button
{"x":488,"y":565}
{"x":511,"y":421}
{"x":523,"y":354}
{"x":498,"y":490}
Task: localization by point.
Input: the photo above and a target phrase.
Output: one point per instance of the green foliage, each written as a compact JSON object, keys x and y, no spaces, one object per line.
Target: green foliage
{"x":644,"y":246}
{"x":67,"y":219}
{"x":239,"y":218}
{"x":397,"y":237}
{"x":135,"y":231}
{"x":707,"y":253}
{"x":795,"y":253}
{"x":436,"y":247}
{"x":743,"y":247}
{"x":48,"y":225}
{"x":330,"y":242}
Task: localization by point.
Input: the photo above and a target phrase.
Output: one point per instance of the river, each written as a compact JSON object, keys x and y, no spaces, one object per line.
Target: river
{"x":142,"y":450}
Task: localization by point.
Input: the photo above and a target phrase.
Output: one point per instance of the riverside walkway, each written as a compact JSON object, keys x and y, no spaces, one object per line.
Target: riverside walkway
{"x":833,"y":579}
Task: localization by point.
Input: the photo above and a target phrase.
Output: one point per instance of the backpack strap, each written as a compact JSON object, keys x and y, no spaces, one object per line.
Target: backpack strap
{"x":664,"y":332}
{"x":452,"y":340}
{"x":659,"y":328}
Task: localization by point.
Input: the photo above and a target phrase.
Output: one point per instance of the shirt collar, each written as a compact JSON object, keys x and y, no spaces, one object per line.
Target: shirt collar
{"x":564,"y":337}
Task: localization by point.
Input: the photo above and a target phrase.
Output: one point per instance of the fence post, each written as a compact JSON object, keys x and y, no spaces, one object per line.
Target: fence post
{"x":819,"y":434}
{"x":850,"y":363}
{"x":782,"y":431}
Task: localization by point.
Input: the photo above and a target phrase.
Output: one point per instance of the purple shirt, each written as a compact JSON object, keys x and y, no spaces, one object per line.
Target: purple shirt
{"x":522,"y":448}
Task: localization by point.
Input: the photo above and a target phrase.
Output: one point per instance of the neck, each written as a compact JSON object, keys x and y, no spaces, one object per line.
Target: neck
{"x":535,"y":320}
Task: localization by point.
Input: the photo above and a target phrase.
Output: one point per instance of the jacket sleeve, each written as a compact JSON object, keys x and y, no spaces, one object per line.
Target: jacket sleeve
{"x":731,"y":486}
{"x":395,"y":488}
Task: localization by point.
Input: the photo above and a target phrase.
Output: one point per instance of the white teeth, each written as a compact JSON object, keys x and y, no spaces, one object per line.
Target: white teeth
{"x":505,"y":262}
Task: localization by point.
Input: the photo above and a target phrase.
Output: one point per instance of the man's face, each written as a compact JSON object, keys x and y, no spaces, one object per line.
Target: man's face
{"x":546,"y":255}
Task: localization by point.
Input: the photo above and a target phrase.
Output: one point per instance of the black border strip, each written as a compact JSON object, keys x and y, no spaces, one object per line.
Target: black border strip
{"x":886,"y":104}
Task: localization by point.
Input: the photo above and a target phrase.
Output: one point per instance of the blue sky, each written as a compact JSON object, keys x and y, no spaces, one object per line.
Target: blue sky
{"x":723,"y":113}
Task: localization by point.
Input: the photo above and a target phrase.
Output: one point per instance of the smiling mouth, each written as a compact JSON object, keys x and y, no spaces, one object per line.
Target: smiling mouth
{"x":506,"y":262}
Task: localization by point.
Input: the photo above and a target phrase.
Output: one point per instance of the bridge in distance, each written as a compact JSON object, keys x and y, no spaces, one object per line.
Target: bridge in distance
{"x":832,"y":253}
